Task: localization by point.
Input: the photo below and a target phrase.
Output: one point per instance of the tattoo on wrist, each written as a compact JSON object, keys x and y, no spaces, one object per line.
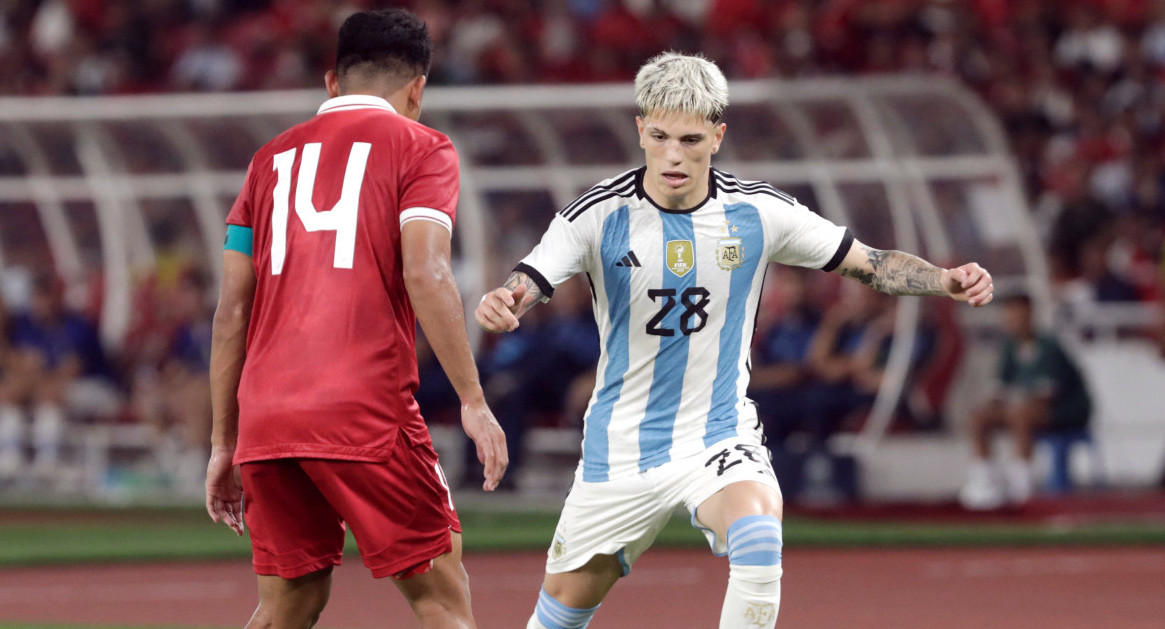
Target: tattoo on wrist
{"x":898,"y":273}
{"x":533,"y":293}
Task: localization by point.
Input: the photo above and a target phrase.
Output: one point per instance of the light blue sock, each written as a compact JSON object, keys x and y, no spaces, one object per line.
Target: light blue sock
{"x":550,"y":614}
{"x":753,"y":598}
{"x":755,"y":540}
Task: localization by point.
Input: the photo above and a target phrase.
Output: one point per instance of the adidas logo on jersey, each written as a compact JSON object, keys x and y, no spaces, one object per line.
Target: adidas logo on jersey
{"x":629,"y":260}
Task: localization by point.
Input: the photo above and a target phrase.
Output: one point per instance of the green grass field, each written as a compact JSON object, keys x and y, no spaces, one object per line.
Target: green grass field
{"x":35,"y":536}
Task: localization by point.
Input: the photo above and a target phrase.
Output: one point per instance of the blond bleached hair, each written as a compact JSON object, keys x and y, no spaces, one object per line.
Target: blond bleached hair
{"x":679,"y":83}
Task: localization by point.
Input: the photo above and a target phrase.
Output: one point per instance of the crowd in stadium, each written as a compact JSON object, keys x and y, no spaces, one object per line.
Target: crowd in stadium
{"x":1079,"y":86}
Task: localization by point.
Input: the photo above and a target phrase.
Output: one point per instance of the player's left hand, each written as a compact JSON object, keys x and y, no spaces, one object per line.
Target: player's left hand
{"x":480,"y":426}
{"x":224,"y":490}
{"x":970,"y":283}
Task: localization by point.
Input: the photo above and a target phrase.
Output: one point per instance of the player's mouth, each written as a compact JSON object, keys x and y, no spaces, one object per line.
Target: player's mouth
{"x":675,"y":179}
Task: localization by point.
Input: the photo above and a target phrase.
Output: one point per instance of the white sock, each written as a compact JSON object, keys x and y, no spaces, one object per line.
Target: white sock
{"x":48,"y":428}
{"x":1020,"y":483}
{"x":753,"y":597}
{"x":981,"y":471}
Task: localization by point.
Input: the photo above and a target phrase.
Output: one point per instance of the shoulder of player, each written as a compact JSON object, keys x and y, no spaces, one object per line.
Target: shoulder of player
{"x":759,"y":193}
{"x":388,"y":125}
{"x":620,"y":186}
{"x":419,"y":137}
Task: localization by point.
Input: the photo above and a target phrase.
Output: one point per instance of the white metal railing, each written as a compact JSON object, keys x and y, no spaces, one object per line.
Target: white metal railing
{"x":906,"y":178}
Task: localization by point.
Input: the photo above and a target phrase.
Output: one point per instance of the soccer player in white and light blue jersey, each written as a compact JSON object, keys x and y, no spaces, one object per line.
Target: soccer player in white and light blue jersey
{"x":676,"y":252}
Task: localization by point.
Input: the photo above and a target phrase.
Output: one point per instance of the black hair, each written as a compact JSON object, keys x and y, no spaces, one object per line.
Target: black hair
{"x":388,"y":41}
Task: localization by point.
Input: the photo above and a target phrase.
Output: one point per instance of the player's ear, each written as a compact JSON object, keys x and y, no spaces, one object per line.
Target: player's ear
{"x":332,"y":83}
{"x":718,"y":137}
{"x":416,"y":91}
{"x":639,"y":127}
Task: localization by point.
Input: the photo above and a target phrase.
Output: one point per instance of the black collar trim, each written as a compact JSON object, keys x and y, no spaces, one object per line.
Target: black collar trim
{"x":642,"y":194}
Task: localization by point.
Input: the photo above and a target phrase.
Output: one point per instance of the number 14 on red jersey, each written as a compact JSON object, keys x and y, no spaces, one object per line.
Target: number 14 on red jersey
{"x":340,"y":219}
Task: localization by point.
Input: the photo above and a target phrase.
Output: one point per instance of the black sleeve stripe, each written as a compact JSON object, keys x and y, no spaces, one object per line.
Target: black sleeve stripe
{"x":573,"y":211}
{"x":735,"y":185}
{"x":622,"y":180}
{"x":771,"y":193}
{"x":539,"y":279}
{"x":610,"y":195}
{"x":733,"y":180}
{"x":847,"y":241}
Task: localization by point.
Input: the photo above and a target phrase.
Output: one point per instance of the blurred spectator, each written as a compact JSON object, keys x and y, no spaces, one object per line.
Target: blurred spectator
{"x":844,"y":356}
{"x":57,"y":369}
{"x":172,"y":393}
{"x":1040,"y":389}
{"x":1079,"y":87}
{"x":208,"y":64}
{"x":848,"y":355}
{"x":1088,"y":41}
{"x":782,"y":378}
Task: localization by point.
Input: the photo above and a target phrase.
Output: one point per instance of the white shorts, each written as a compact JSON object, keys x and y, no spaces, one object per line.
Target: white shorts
{"x":621,"y":517}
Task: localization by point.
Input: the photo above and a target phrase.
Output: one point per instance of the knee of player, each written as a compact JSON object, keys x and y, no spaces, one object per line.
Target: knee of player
{"x":754,"y":546}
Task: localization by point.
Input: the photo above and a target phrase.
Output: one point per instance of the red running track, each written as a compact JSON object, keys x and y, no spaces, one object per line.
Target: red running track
{"x":1005,"y":588}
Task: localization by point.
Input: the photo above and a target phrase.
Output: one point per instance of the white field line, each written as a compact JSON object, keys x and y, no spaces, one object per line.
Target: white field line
{"x":116,"y":592}
{"x":1072,"y":565}
{"x":640,"y":577}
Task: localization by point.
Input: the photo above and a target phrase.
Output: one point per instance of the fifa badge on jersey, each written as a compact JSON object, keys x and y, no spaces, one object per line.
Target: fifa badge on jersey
{"x":729,"y":253}
{"x":680,"y":258}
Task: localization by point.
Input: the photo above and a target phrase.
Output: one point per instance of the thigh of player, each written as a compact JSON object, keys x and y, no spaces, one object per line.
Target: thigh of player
{"x":619,"y":517}
{"x":733,"y":478}
{"x":400,"y":511}
{"x":294,"y":529}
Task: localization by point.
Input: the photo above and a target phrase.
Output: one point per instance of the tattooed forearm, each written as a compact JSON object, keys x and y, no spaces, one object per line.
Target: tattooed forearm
{"x":533,"y":293}
{"x":897,"y":273}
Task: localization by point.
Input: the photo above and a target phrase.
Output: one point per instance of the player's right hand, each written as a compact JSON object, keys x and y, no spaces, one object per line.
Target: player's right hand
{"x":498,"y":310}
{"x":481,"y":426}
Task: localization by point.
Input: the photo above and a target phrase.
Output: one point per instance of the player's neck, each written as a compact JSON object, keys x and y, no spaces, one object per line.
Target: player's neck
{"x":690,"y":199}
{"x":405,"y":97}
{"x":369,"y":92}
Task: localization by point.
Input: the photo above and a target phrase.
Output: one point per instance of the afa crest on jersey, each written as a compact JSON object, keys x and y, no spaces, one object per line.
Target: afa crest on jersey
{"x":729,"y":253}
{"x":680,"y":257}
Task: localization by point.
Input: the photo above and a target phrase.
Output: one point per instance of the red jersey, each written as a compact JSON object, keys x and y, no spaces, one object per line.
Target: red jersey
{"x":331,"y":364}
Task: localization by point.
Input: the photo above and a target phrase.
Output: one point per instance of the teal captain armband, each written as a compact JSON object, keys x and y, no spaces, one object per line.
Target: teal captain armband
{"x":238,"y":239}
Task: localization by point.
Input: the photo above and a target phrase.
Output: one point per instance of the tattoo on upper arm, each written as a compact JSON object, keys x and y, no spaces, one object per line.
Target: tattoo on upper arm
{"x":533,"y":293}
{"x":898,"y":273}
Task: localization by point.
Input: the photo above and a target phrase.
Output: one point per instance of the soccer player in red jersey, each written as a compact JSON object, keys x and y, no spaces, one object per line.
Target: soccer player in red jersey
{"x":337,"y":245}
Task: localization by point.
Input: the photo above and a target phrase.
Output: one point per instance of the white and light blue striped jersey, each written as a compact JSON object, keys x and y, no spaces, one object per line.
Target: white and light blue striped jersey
{"x":675,"y":298}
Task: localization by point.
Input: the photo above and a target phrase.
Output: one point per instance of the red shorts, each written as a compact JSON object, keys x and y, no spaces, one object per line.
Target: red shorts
{"x":400,"y":513}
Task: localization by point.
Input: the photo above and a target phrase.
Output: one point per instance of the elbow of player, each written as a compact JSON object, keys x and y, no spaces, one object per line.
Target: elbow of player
{"x":424,"y":277}
{"x":229,"y":321}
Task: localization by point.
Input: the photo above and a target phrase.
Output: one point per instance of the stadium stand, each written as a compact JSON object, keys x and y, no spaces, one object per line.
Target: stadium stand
{"x":1060,"y":188}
